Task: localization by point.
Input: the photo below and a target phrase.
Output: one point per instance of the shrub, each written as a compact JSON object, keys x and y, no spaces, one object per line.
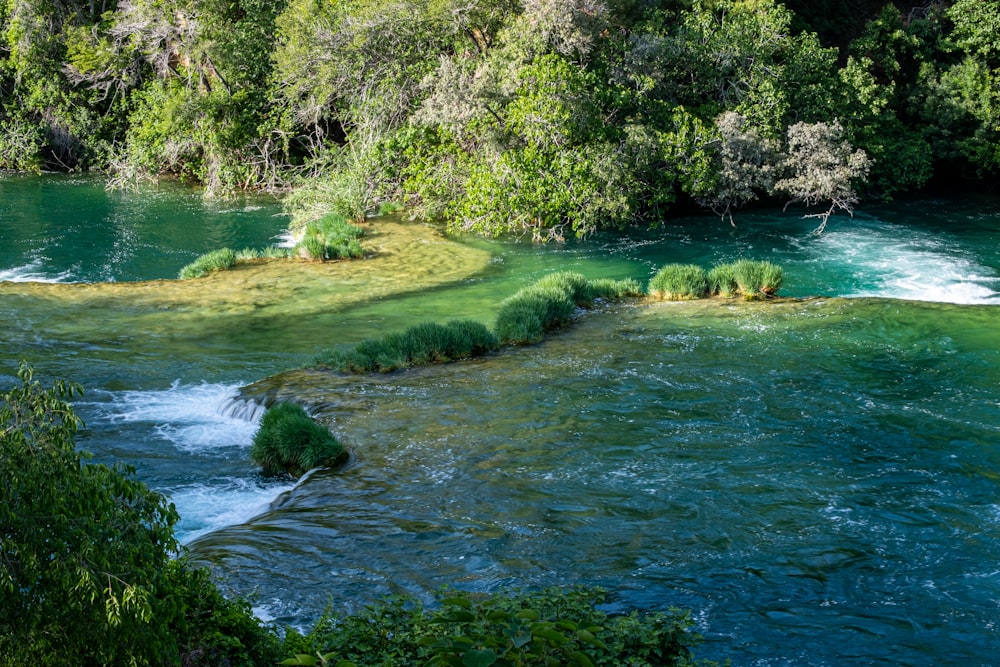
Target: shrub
{"x":757,"y":279}
{"x":217,"y":260}
{"x":421,"y":344}
{"x":548,"y":627}
{"x":679,"y":281}
{"x":288,"y":440}
{"x":91,"y":573}
{"x":722,"y":281}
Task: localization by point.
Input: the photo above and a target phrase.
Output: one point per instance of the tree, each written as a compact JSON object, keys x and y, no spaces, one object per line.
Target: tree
{"x":744,"y":165}
{"x":821,"y":167}
{"x":87,"y":568}
{"x":83,"y":545}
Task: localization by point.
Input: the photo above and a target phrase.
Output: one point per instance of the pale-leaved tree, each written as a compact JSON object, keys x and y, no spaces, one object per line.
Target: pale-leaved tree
{"x":745,"y":165}
{"x":821,"y":167}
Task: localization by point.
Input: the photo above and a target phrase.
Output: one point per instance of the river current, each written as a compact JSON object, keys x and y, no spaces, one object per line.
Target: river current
{"x":817,"y":479}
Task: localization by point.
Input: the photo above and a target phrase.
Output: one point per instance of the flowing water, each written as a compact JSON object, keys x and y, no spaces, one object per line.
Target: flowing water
{"x":817,"y":479}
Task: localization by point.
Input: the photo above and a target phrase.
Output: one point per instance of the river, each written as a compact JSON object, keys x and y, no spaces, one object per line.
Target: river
{"x":815,"y":478}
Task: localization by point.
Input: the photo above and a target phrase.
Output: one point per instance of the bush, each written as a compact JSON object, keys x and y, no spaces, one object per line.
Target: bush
{"x":679,"y":281}
{"x":722,"y":281}
{"x":331,"y":237}
{"x":288,"y":440}
{"x":757,"y":279}
{"x":217,"y":260}
{"x":549,"y":627}
{"x":421,"y":344}
{"x":90,"y":574}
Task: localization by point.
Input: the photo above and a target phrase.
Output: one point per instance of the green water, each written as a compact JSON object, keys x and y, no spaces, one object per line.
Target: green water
{"x":816,"y":479}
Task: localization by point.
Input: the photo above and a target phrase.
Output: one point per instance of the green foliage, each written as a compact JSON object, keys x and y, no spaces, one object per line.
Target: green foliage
{"x":217,"y":260}
{"x":331,"y":237}
{"x":83,"y":545}
{"x":289,"y":441}
{"x":89,"y":566}
{"x":548,"y":627}
{"x":679,"y":281}
{"x":757,"y":279}
{"x":215,"y":629}
{"x":419,"y":345}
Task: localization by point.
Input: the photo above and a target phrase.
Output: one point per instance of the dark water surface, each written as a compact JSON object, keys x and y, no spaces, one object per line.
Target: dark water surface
{"x":816,"y":479}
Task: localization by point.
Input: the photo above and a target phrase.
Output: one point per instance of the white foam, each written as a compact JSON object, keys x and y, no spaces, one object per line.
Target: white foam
{"x":33,"y":272}
{"x":222,"y":502}
{"x":924,"y":267}
{"x":194,"y":418}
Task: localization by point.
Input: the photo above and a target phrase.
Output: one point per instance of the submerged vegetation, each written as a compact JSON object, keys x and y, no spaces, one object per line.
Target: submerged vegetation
{"x":522,"y":319}
{"x":545,"y":118}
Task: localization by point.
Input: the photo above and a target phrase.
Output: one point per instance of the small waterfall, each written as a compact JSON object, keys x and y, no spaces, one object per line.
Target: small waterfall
{"x":246,"y":409}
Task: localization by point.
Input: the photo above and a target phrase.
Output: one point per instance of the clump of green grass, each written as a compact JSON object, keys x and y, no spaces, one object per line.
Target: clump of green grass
{"x":217,"y":260}
{"x":525,"y":317}
{"x":679,"y":281}
{"x":270,"y":252}
{"x":289,"y":441}
{"x":613,"y":290}
{"x":722,"y":281}
{"x":757,"y":279}
{"x":331,"y":237}
{"x":419,"y":345}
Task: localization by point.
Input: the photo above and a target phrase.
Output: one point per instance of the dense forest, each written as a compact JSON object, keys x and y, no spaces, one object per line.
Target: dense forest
{"x":543,"y":117}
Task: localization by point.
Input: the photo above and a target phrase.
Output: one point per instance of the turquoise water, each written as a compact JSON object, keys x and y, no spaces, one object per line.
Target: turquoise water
{"x":817,"y":480}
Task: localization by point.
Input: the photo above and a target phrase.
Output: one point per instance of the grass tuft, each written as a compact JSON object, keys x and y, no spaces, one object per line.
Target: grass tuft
{"x":419,"y":345}
{"x":289,"y":441}
{"x":217,"y":260}
{"x":757,"y":279}
{"x":679,"y":281}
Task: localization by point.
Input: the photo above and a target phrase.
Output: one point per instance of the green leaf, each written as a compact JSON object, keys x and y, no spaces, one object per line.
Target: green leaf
{"x":463,"y":602}
{"x":549,"y":635}
{"x":479,"y":658}
{"x":581,"y":659}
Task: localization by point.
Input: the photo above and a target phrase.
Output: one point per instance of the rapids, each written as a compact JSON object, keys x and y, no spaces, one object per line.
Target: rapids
{"x":816,"y":478}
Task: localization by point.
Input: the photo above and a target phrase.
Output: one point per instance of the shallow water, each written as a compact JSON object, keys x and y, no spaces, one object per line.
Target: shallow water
{"x":815,"y":478}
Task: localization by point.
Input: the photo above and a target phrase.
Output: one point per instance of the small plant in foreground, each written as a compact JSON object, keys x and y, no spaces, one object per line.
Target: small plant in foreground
{"x":288,"y":440}
{"x":679,"y":281}
{"x":757,"y":279}
{"x":217,"y":260}
{"x":548,"y":627}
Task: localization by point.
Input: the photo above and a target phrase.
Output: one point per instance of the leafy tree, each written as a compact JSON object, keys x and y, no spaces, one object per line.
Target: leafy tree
{"x":87,"y":574}
{"x":84,"y":546}
{"x":745,"y":166}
